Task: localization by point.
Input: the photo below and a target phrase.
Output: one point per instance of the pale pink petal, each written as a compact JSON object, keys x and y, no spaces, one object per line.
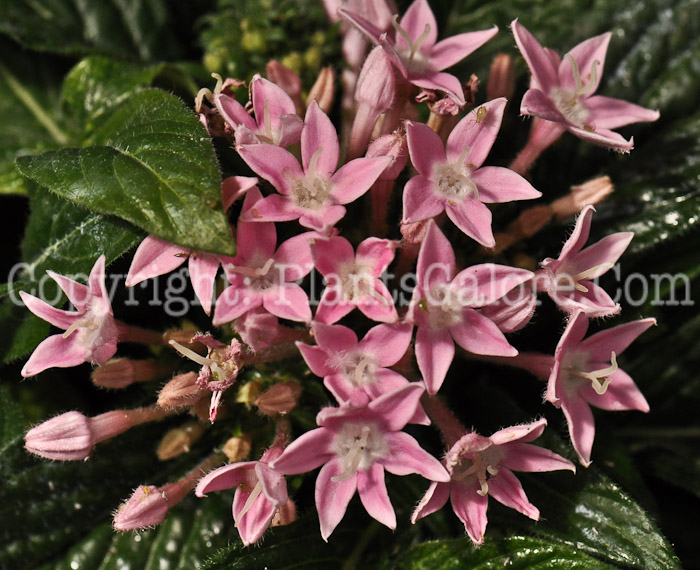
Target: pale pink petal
{"x":420,"y":200}
{"x":455,"y":48}
{"x":324,"y":219}
{"x":317,"y":135}
{"x":440,"y":81}
{"x":604,"y":137}
{"x":615,"y":339}
{"x":479,"y":335}
{"x":226,"y":477}
{"x":606,"y":251}
{"x":506,"y":489}
{"x":378,"y":305}
{"x":233,"y":302}
{"x":434,"y":499}
{"x":276,"y":165}
{"x":470,"y":507}
{"x":372,"y":490}
{"x":376,"y":253}
{"x":333,"y":497}
{"x":609,"y":113}
{"x":55,"y":352}
{"x":414,"y":21}
{"x":96,"y":283}
{"x":581,"y":427}
{"x":256,"y":240}
{"x":77,"y":293}
{"x":425,"y":147}
{"x":362,"y":24}
{"x":474,"y":219}
{"x":273,"y":484}
{"x":57,"y":317}
{"x":498,"y":184}
{"x":537,"y":104}
{"x":267,"y":96}
{"x":289,"y":130}
{"x":356,"y":177}
{"x":528,"y":457}
{"x":477,"y":134}
{"x":386,"y":381}
{"x":397,"y":407}
{"x":331,"y":308}
{"x":153,"y":257}
{"x":484,"y":283}
{"x":387,"y":343}
{"x":435,"y":351}
{"x":622,"y":394}
{"x":233,"y":187}
{"x":304,"y":454}
{"x":580,"y":234}
{"x":335,"y":338}
{"x":521,"y":433}
{"x":585,"y":55}
{"x":273,"y":208}
{"x":538,"y":61}
{"x":573,"y":334}
{"x":513,"y":311}
{"x":406,"y":457}
{"x":203,"y":268}
{"x":233,"y":112}
{"x":316,"y":358}
{"x":255,"y":521}
{"x":595,"y":302}
{"x":293,"y":259}
{"x":329,"y":254}
{"x":288,"y":302}
{"x":436,"y":259}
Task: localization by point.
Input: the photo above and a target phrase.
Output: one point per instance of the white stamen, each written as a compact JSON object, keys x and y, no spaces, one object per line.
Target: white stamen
{"x":600,"y":379}
{"x":199,"y":359}
{"x":582,"y":89}
{"x":88,"y":323}
{"x":268,"y":120}
{"x":351,"y":461}
{"x":311,"y":172}
{"x":249,"y":503}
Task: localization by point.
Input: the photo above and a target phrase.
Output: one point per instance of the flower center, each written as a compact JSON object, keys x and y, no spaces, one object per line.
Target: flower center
{"x":312,"y":191}
{"x":565,"y":281}
{"x":358,"y":369}
{"x":442,"y":306}
{"x":576,"y":362}
{"x":358,"y":446}
{"x":412,"y":57}
{"x":475,"y":466}
{"x":568,"y":101}
{"x":453,"y":179}
{"x":260,"y":278}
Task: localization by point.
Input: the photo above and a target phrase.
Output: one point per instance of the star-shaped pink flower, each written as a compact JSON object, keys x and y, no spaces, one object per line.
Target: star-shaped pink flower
{"x":450,"y":178}
{"x":443,"y":307}
{"x":355,"y":445}
{"x":563,"y":91}
{"x":482,"y":466}
{"x":585,"y":373}
{"x":91,"y":331}
{"x":315,"y":194}
{"x":417,"y":54}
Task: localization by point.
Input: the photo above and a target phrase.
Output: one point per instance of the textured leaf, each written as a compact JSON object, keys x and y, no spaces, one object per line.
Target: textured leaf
{"x":151,"y":164}
{"x":11,"y":422}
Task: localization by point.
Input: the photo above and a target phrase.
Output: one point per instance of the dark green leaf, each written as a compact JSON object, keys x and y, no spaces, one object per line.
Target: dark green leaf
{"x":11,"y":422}
{"x":151,"y":163}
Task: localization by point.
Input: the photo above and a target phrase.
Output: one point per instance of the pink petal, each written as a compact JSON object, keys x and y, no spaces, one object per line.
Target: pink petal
{"x":379,"y":305}
{"x":606,"y":251}
{"x":485,"y":283}
{"x":474,"y":219}
{"x":536,"y":57}
{"x":387,"y":343}
{"x":436,"y":259}
{"x":233,"y":112}
{"x":305,"y":453}
{"x":498,"y":184}
{"x":604,"y":138}
{"x":341,"y":389}
{"x":329,"y":254}
{"x":372,"y":490}
{"x":594,"y":303}
{"x":537,"y":104}
{"x":445,"y":82}
{"x":361,"y":24}
{"x":414,"y":21}
{"x":335,"y":338}
{"x":434,"y":499}
{"x":57,"y":317}
{"x":425,"y":148}
{"x":506,"y":489}
{"x":154,"y":257}
{"x":203,"y":268}
{"x":585,"y":54}
{"x":622,"y":394}
{"x":96,"y":282}
{"x":233,"y":302}
{"x":470,"y":507}
{"x":77,"y":293}
{"x":273,"y":208}
{"x":354,"y":178}
{"x":233,"y":187}
{"x":609,"y":113}
{"x":615,"y":339}
{"x":580,"y":234}
{"x":55,"y":352}
{"x":332,"y":308}
{"x":226,"y":477}
{"x":581,"y":427}
{"x":273,"y":483}
{"x":377,"y":254}
{"x":256,"y":238}
{"x":316,"y":358}
{"x":319,"y":134}
{"x":288,"y":302}
{"x":406,"y":457}
{"x":278,"y":102}
{"x":324,"y":219}
{"x":420,"y":200}
{"x":573,"y":334}
{"x":528,"y":457}
{"x":276,"y":165}
{"x":255,"y":521}
{"x":521,"y":433}
{"x":333,"y":497}
{"x":293,"y":257}
{"x":479,"y":335}
{"x":435,"y":351}
{"x":513,"y":311}
{"x":455,"y":48}
{"x":397,"y":407}
{"x":478,"y":135}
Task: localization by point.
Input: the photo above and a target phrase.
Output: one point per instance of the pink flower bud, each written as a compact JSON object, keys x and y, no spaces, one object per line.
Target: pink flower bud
{"x":179,"y":440}
{"x":121,"y":372}
{"x":181,"y":391}
{"x":393,"y":145}
{"x":65,"y":438}
{"x":237,"y":448}
{"x":587,"y":194}
{"x":286,"y":514}
{"x":501,"y":82}
{"x":376,"y":86}
{"x":146,"y":507}
{"x":323,"y":90}
{"x":281,"y":398}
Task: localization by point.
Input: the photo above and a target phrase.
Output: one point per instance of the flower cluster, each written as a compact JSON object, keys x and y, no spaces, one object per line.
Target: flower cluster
{"x":393,"y":375}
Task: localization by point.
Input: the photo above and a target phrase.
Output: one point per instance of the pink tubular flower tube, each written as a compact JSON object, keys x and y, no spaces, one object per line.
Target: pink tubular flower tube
{"x":91,"y":332}
{"x":585,"y":373}
{"x":563,"y":90}
{"x":451,"y":177}
{"x":356,"y":445}
{"x":482,"y":466}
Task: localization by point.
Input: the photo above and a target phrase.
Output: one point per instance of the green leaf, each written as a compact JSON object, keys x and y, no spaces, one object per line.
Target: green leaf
{"x":11,"y":422}
{"x":152,"y":164}
{"x":518,"y":553}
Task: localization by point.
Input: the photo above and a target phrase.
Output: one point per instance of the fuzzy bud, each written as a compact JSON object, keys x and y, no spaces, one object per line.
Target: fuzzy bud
{"x":65,"y":438}
{"x":501,"y":82}
{"x":587,"y":194}
{"x":179,"y":440}
{"x":323,"y":90}
{"x":286,"y":514}
{"x":287,"y":79}
{"x":146,"y":507}
{"x":394,"y":146}
{"x":237,"y":448}
{"x":248,"y":393}
{"x":376,"y":85}
{"x":281,"y":398}
{"x":181,"y":391}
{"x":121,"y":372}
{"x":184,"y":337}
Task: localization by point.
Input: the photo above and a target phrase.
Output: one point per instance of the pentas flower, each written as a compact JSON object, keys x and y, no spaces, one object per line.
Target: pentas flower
{"x":260,"y":492}
{"x":155,"y":256}
{"x":585,"y":373}
{"x":415,"y":51}
{"x":482,"y":466}
{"x":355,"y":445}
{"x":353,"y":279}
{"x":443,"y":307}
{"x":91,"y":331}
{"x":314,"y":194}
{"x":563,"y":91}
{"x":567,"y":279}
{"x":261,"y":275}
{"x":348,"y":366}
{"x":275,"y":121}
{"x":450,"y":178}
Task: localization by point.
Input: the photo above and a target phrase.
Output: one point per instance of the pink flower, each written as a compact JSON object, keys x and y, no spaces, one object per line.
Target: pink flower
{"x":260,"y":492}
{"x":482,"y":466}
{"x":443,"y":307}
{"x":415,"y":51}
{"x":275,"y":122}
{"x":261,"y":275}
{"x":315,"y":194}
{"x":353,"y":280}
{"x":91,"y":332}
{"x":348,"y":366}
{"x":585,"y":373}
{"x":567,"y":279}
{"x":451,"y":178}
{"x":157,"y":257}
{"x":355,"y":445}
{"x":562,"y":91}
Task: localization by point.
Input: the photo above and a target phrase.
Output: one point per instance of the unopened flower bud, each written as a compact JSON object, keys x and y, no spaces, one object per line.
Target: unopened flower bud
{"x":323,"y":90}
{"x":286,"y":514}
{"x":394,"y":146}
{"x":179,"y":440}
{"x":182,"y":336}
{"x":181,"y":391}
{"x":65,"y":438}
{"x":281,"y":398}
{"x":146,"y":507}
{"x":501,"y":82}
{"x":587,"y":194}
{"x":237,"y":448}
{"x":248,"y":393}
{"x":376,"y":85}
{"x":121,"y":372}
